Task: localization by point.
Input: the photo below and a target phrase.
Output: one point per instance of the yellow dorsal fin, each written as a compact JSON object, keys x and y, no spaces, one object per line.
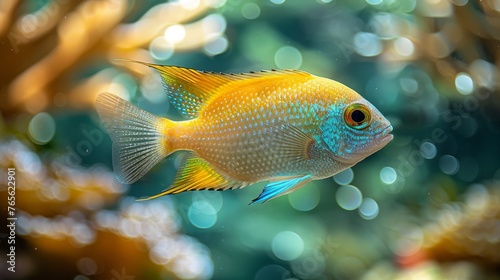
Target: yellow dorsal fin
{"x":197,"y":175}
{"x":189,"y":89}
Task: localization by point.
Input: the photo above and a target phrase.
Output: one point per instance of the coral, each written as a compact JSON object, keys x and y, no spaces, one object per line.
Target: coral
{"x":467,"y":231}
{"x":65,"y":218}
{"x":46,"y":49}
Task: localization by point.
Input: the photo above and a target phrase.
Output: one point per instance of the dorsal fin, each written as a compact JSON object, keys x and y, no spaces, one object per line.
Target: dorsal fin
{"x":189,"y":89}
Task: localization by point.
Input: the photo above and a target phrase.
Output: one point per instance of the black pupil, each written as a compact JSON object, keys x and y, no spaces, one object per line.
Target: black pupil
{"x":358,"y":116}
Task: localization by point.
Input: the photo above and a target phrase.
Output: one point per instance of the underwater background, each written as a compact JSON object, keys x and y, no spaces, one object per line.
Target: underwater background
{"x":427,"y":206}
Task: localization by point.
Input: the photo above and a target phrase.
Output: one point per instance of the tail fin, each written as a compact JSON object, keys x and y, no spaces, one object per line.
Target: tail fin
{"x":139,"y":141}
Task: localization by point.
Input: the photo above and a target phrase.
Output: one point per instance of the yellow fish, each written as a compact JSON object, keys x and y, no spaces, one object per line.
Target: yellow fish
{"x":287,"y":127}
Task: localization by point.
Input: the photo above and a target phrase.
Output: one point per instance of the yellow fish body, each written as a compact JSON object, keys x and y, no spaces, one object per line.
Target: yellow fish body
{"x":287,"y":127}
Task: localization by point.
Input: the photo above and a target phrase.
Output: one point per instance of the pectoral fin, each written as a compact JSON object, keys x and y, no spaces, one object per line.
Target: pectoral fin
{"x":275,"y":189}
{"x":293,"y":143}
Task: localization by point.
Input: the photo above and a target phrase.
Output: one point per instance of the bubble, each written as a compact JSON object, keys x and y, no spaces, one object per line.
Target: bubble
{"x":175,"y":34}
{"x":348,"y":197}
{"x":374,"y":2}
{"x":288,"y":57}
{"x":287,"y":245}
{"x":428,"y":150}
{"x":161,"y":49}
{"x":216,"y":46}
{"x":464,"y":83}
{"x":404,"y":46}
{"x":305,"y":199}
{"x":277,"y":2}
{"x":367,"y":44}
{"x":368,"y":209}
{"x":41,"y":128}
{"x":449,"y":164}
{"x":202,"y":214}
{"x":388,"y":175}
{"x":250,"y":11}
{"x":345,"y":177}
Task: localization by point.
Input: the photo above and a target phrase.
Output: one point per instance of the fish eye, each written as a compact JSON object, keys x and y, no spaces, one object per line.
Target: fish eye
{"x":357,"y":116}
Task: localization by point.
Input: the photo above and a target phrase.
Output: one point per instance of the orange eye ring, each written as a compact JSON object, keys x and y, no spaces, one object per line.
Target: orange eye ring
{"x":357,"y":116}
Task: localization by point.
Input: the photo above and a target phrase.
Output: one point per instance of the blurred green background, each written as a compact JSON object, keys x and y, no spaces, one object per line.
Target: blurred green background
{"x":427,"y":206}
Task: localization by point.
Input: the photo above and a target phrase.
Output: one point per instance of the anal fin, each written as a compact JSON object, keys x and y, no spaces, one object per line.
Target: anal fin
{"x":197,"y":175}
{"x":275,"y":189}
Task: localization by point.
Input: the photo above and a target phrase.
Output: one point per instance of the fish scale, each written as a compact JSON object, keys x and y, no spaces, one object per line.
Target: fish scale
{"x":245,"y":139}
{"x":287,"y":127}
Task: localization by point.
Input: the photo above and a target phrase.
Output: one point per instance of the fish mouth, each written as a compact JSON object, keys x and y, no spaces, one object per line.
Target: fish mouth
{"x":384,"y":137}
{"x":381,"y":140}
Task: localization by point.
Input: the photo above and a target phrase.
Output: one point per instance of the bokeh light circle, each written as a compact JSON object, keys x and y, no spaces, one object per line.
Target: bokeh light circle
{"x":41,"y":128}
{"x":214,"y":24}
{"x":409,"y":241}
{"x":305,"y":199}
{"x":368,"y":209}
{"x":272,"y":271}
{"x":367,"y":44}
{"x":345,"y":177}
{"x":202,"y":214}
{"x":250,"y":11}
{"x":175,"y":34}
{"x":449,"y":164}
{"x":216,"y":46}
{"x":161,"y":49}
{"x":348,"y":197}
{"x":428,"y":150}
{"x":215,"y":199}
{"x":464,"y":83}
{"x":388,"y":175}
{"x":288,"y":57}
{"x":287,"y":245}
{"x":404,"y":46}
{"x":397,"y":185}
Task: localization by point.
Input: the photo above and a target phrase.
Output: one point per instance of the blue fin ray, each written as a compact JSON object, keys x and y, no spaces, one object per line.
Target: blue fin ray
{"x":275,"y":189}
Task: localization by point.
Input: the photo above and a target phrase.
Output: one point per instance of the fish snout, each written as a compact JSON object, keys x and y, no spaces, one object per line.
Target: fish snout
{"x":384,"y":137}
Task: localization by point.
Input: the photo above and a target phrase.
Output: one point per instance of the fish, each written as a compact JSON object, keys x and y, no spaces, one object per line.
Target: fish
{"x":283,"y":127}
